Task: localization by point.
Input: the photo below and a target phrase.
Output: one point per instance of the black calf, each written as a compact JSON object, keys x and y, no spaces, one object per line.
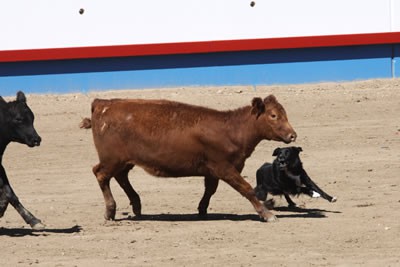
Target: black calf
{"x":16,"y":125}
{"x":286,"y":176}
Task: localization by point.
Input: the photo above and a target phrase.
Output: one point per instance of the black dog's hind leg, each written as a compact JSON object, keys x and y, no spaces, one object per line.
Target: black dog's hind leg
{"x":289,"y":201}
{"x":312,"y":187}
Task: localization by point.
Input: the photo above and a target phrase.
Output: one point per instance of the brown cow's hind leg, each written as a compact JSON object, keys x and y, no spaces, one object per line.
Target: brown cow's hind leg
{"x":211,"y":184}
{"x":104,"y":182}
{"x":231,"y":176}
{"x":123,"y":181}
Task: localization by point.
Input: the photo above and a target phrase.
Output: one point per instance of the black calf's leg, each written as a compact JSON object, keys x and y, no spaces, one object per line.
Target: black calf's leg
{"x":3,"y":202}
{"x":7,"y":195}
{"x":3,"y":198}
{"x":28,"y":217}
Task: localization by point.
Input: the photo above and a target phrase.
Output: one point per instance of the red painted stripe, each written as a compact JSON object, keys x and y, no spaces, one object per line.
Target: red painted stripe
{"x":198,"y":47}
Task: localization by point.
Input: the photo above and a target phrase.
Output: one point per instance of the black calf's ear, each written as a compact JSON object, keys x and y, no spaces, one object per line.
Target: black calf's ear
{"x":258,"y":106}
{"x":276,"y":151}
{"x":21,"y":97}
{"x":3,"y":103}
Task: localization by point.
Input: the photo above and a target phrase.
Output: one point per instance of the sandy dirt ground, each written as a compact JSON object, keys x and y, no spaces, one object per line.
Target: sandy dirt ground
{"x":350,"y":135}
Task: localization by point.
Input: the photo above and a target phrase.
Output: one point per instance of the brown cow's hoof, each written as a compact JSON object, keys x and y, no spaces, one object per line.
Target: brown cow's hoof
{"x":109,"y":216}
{"x":273,"y":218}
{"x":269,"y":217}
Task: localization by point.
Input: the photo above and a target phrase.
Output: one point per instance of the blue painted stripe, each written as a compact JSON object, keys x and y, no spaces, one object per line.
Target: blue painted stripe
{"x":240,"y":68}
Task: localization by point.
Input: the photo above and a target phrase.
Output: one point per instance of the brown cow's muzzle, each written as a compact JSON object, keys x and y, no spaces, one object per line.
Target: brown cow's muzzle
{"x":291,"y":137}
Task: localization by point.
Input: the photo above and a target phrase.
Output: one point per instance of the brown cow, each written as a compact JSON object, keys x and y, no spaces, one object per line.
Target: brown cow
{"x":172,"y":139}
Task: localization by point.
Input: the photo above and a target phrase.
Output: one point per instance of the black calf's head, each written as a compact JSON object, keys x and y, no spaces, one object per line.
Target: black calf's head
{"x":288,"y":157}
{"x":16,"y":122}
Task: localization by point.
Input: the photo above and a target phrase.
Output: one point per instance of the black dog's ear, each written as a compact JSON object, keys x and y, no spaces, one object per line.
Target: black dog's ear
{"x":258,"y":106}
{"x":299,"y":149}
{"x":21,"y":97}
{"x":276,"y":151}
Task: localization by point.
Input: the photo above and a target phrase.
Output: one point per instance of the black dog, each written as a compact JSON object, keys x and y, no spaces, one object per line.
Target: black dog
{"x":286,"y":176}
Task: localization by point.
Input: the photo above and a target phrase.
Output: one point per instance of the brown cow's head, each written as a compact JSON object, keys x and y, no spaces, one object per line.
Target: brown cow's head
{"x":272,"y":120}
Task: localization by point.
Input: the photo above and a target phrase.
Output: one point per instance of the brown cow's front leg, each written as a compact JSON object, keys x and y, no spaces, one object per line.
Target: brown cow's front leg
{"x":231,"y":176}
{"x":123,"y":181}
{"x":211,"y":185}
{"x":104,"y":182}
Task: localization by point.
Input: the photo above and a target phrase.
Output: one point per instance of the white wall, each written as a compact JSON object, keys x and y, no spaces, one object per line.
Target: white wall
{"x":31,"y":24}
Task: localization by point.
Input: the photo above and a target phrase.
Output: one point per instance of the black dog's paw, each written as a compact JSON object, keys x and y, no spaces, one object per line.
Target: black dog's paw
{"x":334,"y":199}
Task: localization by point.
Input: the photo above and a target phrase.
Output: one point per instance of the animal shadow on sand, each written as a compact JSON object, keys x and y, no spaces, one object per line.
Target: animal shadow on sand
{"x":19,"y":232}
{"x":297,"y":213}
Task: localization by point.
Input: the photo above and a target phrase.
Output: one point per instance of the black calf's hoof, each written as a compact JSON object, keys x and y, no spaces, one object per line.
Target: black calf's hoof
{"x":202,"y":214}
{"x":37,"y":225}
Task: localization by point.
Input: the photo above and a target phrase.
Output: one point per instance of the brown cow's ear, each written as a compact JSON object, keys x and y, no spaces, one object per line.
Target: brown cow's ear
{"x":270,"y":99}
{"x":258,"y":106}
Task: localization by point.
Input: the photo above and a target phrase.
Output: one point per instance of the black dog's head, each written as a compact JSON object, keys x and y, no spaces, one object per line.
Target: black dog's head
{"x":287,"y":158}
{"x":16,"y":122}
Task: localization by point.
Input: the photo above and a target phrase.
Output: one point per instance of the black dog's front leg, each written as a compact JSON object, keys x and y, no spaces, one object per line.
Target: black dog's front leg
{"x":7,"y":195}
{"x":261,"y":193}
{"x":289,"y":201}
{"x":312,"y":188}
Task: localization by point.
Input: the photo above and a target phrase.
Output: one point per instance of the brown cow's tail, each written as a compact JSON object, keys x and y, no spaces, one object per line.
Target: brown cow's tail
{"x":86,"y":123}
